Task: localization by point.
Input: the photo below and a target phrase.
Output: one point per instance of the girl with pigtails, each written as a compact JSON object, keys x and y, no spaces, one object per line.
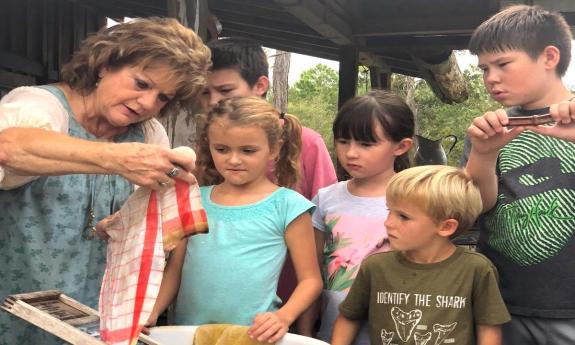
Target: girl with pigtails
{"x":230,"y":275}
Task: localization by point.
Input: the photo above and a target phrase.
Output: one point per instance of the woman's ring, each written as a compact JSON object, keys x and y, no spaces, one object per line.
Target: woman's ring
{"x":174,"y":172}
{"x":162,"y":183}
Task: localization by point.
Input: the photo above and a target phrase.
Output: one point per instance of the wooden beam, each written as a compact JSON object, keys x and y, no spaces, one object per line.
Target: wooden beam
{"x":330,"y":53}
{"x":444,"y":78}
{"x":11,"y":80}
{"x":78,"y":26}
{"x":292,"y":38}
{"x":340,"y":7}
{"x":551,"y":5}
{"x":265,"y":5}
{"x":406,"y":25}
{"x":17,"y":38}
{"x":49,"y":43}
{"x":348,"y":62}
{"x":64,"y":34}
{"x":420,"y":44}
{"x":407,"y":72}
{"x":565,"y":7}
{"x":33,"y":29}
{"x":232,"y":8}
{"x":126,"y":8}
{"x":21,"y":64}
{"x":371,"y":60}
{"x":321,"y":18}
{"x":268,"y":24}
{"x":379,"y":78}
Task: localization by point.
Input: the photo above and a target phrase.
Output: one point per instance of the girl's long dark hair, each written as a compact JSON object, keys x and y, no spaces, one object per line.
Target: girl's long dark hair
{"x":356,"y":118}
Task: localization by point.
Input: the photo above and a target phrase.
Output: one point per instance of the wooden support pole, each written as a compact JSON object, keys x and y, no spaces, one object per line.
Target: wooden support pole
{"x":348,"y":68}
{"x":380,"y":79}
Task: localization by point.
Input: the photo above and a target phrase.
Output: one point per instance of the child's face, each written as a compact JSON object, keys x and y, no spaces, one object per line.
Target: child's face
{"x":513,"y":78}
{"x":241,"y":154}
{"x":227,"y":83}
{"x":410,"y":229}
{"x":368,"y":159}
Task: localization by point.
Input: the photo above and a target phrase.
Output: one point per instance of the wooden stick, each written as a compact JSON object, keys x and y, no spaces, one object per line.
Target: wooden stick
{"x":534,"y":120}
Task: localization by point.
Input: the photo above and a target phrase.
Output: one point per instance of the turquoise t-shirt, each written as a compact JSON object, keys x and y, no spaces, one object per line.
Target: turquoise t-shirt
{"x":231,"y":273}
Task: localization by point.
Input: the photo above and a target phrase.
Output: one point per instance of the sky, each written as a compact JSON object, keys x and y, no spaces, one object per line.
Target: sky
{"x":300,"y":63}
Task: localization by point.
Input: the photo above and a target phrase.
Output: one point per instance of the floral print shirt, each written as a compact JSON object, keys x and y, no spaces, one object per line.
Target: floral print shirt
{"x":354,"y":228}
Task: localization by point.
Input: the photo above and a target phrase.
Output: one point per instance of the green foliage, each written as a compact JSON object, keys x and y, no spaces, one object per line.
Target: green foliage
{"x":313,"y":98}
{"x":318,"y":83}
{"x":436,"y":119}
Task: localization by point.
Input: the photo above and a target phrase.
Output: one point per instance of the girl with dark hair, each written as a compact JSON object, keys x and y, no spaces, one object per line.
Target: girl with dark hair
{"x":373,"y":134}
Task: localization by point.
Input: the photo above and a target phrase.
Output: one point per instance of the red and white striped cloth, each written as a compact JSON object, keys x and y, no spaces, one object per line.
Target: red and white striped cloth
{"x":148,"y":224}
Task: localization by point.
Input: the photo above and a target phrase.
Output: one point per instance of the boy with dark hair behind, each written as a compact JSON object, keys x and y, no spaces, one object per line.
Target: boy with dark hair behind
{"x":244,"y":55}
{"x":240,"y":69}
{"x":526,"y":173}
{"x":426,"y":290}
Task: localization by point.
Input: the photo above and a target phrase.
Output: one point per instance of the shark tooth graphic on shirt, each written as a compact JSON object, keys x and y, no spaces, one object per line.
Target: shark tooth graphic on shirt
{"x":405,"y":322}
{"x":443,"y":331}
{"x":386,"y":337}
{"x":422,"y":339}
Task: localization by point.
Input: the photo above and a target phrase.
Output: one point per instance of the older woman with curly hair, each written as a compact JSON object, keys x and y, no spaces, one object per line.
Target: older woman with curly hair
{"x":71,"y":153}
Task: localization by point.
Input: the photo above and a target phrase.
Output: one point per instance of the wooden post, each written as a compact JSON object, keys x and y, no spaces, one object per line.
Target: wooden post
{"x":348,"y":69}
{"x":280,"y":80}
{"x":181,"y":126}
{"x":348,"y":61}
{"x":380,"y":79}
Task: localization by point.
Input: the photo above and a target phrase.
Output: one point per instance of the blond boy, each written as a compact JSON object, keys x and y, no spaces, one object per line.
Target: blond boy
{"x":426,"y":289}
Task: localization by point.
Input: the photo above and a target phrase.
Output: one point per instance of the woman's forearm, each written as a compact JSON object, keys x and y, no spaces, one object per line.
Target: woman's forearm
{"x":38,"y":152}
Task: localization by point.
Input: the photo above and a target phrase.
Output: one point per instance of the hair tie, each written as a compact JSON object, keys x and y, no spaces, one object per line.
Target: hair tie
{"x":282,"y":115}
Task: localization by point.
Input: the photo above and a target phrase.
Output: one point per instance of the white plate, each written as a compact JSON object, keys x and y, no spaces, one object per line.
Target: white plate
{"x":184,"y":335}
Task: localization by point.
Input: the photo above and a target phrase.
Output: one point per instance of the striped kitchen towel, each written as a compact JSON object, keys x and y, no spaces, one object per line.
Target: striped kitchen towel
{"x":149,"y":223}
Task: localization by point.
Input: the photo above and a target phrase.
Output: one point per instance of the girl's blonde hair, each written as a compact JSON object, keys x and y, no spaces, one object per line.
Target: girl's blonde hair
{"x":442,"y":192}
{"x":247,"y":112}
{"x":143,"y":42}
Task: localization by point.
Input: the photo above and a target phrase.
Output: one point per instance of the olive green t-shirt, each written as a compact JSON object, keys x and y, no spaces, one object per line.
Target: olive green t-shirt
{"x":410,"y":303}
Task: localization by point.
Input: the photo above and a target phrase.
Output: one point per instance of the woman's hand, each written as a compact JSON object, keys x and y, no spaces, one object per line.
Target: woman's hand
{"x":105,"y":224}
{"x":149,"y":165}
{"x":268,"y":327}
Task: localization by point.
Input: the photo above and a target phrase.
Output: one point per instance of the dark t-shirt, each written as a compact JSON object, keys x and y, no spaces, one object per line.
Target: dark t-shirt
{"x":528,"y":234}
{"x":409,"y":303}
